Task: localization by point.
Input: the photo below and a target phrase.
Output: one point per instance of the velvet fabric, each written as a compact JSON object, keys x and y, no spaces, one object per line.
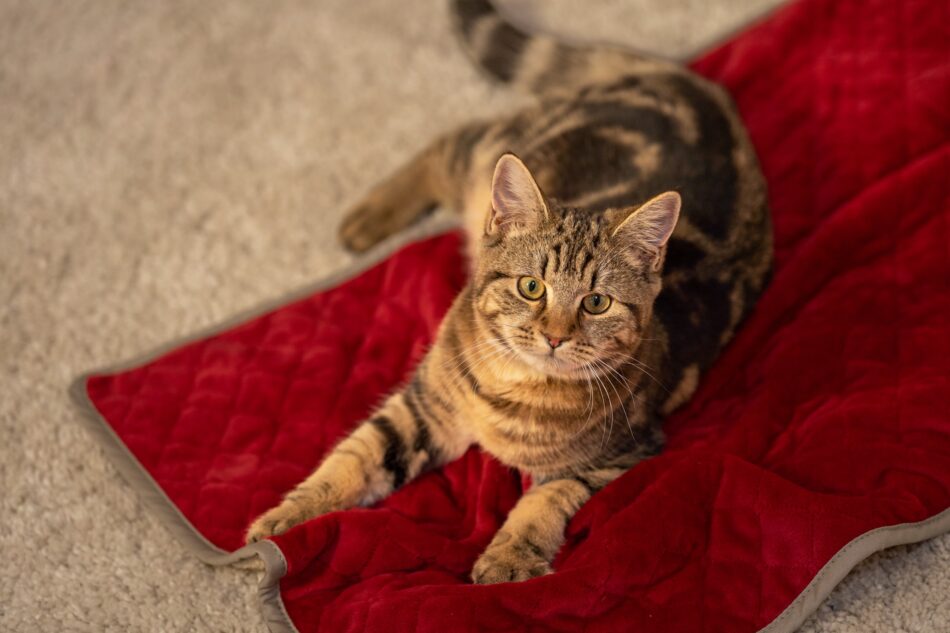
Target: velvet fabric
{"x":826,"y":417}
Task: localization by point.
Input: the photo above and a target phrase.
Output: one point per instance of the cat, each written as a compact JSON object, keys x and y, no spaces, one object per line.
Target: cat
{"x":618,"y":232}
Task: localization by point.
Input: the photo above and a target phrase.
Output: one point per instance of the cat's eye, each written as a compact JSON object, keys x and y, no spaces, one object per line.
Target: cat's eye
{"x":596,"y":304}
{"x":531,"y":288}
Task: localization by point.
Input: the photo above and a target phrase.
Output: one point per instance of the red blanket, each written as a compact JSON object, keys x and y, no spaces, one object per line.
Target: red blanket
{"x":825,"y":419}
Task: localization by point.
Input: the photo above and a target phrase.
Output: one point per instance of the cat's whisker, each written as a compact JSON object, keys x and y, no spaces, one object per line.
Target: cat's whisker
{"x":479,"y":345}
{"x":624,"y":383}
{"x":646,"y":370}
{"x":512,"y":357}
{"x":590,"y":412}
{"x":465,"y":356}
{"x":590,"y":404}
{"x":501,"y":352}
{"x":470,"y":370}
{"x":459,"y":376}
{"x":610,"y":408}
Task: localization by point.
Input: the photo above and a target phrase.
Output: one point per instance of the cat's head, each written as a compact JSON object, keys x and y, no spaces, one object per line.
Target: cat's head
{"x":565,"y":289}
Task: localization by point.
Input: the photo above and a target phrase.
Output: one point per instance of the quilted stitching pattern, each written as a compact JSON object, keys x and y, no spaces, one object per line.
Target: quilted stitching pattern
{"x":229,"y":423}
{"x":827,"y":417}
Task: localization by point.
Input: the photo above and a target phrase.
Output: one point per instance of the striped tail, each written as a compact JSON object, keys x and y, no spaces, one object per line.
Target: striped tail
{"x":540,"y":63}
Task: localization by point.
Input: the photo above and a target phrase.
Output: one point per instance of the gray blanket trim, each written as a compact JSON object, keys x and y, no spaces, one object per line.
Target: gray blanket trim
{"x":275,"y":565}
{"x":155,"y":499}
{"x":847,"y":558}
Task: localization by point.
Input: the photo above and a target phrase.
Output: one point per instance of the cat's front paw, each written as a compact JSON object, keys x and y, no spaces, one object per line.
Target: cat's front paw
{"x":509,"y":563}
{"x":277,"y":521}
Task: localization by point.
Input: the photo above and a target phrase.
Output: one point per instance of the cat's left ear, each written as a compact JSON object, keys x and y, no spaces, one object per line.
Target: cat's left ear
{"x":517,"y":203}
{"x":649,"y":226}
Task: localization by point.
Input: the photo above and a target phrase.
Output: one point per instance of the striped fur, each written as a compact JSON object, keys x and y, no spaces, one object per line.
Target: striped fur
{"x":541,"y":64}
{"x":571,"y":397}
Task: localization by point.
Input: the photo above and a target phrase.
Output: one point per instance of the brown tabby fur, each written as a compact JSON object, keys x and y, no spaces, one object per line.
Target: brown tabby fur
{"x":611,"y":130}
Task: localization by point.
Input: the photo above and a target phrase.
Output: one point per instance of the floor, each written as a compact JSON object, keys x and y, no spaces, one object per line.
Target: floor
{"x":166,"y":164}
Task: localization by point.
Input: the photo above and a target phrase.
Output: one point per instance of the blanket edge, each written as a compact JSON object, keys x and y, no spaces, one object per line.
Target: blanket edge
{"x":129,"y":466}
{"x":356,"y":267}
{"x":275,"y":564}
{"x":847,"y":558}
{"x":154,"y":497}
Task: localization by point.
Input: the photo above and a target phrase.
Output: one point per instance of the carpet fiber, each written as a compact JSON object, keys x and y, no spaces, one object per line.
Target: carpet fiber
{"x":165,"y":166}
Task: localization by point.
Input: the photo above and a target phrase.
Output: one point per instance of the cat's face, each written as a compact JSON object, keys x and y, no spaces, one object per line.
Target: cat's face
{"x":567,"y":291}
{"x":566,"y":296}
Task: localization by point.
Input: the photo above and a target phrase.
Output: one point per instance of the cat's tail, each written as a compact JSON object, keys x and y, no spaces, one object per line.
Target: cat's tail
{"x":540,"y":63}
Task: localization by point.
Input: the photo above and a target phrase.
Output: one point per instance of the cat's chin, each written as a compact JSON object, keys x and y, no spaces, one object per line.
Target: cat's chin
{"x":552,"y":365}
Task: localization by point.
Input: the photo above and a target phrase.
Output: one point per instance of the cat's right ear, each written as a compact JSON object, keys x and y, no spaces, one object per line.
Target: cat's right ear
{"x":517,"y":203}
{"x":648,"y":227}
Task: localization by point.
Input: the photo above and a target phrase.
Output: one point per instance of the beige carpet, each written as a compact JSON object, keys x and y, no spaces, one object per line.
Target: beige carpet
{"x":166,"y":164}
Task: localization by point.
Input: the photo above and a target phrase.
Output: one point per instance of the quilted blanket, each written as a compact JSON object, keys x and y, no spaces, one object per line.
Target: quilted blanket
{"x":821,"y":435}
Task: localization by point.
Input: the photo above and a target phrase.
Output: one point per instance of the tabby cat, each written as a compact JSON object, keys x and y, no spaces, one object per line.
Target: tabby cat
{"x":594,"y":304}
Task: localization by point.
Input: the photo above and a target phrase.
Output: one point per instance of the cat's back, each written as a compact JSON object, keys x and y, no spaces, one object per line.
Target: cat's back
{"x":612,"y":128}
{"x":619,"y":143}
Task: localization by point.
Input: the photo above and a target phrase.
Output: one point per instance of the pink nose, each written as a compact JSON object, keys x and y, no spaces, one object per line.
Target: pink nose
{"x":554,"y":342}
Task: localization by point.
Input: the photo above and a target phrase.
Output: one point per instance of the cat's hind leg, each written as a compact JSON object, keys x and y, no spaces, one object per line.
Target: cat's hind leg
{"x":432,"y":178}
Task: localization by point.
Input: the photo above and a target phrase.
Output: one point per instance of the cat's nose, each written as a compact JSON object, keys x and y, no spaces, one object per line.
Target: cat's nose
{"x":554,"y":341}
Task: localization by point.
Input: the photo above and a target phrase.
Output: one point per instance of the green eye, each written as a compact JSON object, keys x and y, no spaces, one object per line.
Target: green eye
{"x":531,"y":288}
{"x":596,"y":304}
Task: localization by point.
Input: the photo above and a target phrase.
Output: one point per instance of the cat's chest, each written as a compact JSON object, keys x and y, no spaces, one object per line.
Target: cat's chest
{"x":531,"y":441}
